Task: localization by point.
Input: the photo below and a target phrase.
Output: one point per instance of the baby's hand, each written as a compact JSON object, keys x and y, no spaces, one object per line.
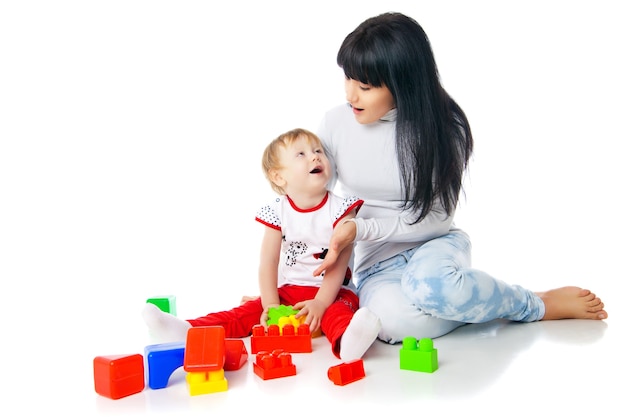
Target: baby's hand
{"x":313,"y":310}
{"x":265,"y":315}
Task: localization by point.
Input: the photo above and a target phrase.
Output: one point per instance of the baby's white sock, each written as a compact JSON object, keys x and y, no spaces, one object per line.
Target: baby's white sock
{"x":359,"y":335}
{"x":164,"y":327}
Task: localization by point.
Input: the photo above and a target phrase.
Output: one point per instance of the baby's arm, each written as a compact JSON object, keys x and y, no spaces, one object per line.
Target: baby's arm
{"x":332,"y":280}
{"x":331,"y":284}
{"x":268,"y":270}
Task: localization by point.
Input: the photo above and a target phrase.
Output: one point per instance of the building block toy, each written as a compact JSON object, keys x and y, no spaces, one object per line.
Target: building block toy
{"x":206,"y":382}
{"x":163,"y":359}
{"x":161,"y":362}
{"x":166,"y":303}
{"x":289,"y":340}
{"x":420,"y":356}
{"x":117,"y":376}
{"x":204,"y":349}
{"x":275,"y":313}
{"x":287,"y":315}
{"x":236,"y":354}
{"x":347,"y":372}
{"x":275,"y":364}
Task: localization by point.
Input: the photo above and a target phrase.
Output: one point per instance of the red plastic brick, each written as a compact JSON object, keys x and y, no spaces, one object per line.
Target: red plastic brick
{"x":236,"y":354}
{"x":205,"y":349}
{"x":347,"y":372}
{"x":289,"y":341}
{"x":276,"y":364}
{"x":117,"y":376}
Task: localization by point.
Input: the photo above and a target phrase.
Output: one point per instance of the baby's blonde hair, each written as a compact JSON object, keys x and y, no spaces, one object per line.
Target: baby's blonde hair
{"x":271,"y":154}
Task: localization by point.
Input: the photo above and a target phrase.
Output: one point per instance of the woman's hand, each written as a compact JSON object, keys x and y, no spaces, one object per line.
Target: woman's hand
{"x":343,"y":235}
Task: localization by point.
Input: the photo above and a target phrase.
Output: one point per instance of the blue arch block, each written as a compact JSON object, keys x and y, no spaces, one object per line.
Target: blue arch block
{"x":162,"y":360}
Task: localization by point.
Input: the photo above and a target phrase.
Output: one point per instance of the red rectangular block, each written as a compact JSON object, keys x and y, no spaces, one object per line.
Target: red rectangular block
{"x":289,"y":341}
{"x":276,"y":364}
{"x":204,"y":349}
{"x":346,"y":373}
{"x":117,"y":376}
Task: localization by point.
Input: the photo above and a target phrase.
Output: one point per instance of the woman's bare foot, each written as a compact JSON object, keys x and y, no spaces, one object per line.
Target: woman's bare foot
{"x":572,"y":303}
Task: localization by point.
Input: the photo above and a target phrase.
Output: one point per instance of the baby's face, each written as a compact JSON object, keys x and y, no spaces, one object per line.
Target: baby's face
{"x":305,"y":167}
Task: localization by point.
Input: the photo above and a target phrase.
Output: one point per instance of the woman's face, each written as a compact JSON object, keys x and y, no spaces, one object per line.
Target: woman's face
{"x":368,"y":103}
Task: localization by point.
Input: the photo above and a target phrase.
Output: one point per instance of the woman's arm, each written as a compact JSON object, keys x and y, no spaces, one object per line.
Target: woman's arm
{"x":402,"y":228}
{"x":389,"y":229}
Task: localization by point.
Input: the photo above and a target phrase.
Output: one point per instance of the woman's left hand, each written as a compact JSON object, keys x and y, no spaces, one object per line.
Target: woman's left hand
{"x":343,"y":235}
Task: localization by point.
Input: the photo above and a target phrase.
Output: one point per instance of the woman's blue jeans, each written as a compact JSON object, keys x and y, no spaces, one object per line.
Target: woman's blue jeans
{"x":430,"y":290}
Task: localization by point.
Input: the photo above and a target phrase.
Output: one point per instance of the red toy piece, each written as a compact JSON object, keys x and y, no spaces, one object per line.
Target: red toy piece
{"x":205,"y":349}
{"x":347,"y":372}
{"x":117,"y":376}
{"x":276,"y":364}
{"x":288,"y":341}
{"x":236,"y":354}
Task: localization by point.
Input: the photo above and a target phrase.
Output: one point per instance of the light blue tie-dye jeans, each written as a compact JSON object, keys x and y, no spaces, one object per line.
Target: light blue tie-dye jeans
{"x":430,"y":290}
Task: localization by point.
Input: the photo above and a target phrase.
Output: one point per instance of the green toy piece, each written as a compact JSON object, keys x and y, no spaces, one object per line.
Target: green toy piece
{"x":287,"y":315}
{"x":165,"y":303}
{"x":421,"y":357}
{"x":275,"y":313}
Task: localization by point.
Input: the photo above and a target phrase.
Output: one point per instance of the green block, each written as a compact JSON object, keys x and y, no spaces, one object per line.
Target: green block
{"x":275,"y":313}
{"x":421,"y":357}
{"x":166,"y":303}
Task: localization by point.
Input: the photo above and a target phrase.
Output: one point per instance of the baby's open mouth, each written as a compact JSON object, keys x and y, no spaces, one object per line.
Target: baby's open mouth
{"x":316,"y":170}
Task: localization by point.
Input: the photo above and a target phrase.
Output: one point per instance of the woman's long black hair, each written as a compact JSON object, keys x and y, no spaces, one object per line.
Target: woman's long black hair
{"x":433,"y":137}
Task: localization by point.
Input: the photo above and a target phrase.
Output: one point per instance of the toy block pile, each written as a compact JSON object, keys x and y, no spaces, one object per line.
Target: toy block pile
{"x":206,"y":354}
{"x":283,"y":315}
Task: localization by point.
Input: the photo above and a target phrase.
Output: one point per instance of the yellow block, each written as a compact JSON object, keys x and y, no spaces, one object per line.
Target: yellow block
{"x":295,"y":322}
{"x":206,"y":382}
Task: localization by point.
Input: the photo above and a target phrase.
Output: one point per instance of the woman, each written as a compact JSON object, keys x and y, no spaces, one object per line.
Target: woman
{"x":402,"y":144}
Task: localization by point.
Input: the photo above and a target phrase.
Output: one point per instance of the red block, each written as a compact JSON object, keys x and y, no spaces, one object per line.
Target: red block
{"x":289,"y":341}
{"x":236,"y":354}
{"x":276,"y":364}
{"x":346,"y":373}
{"x":117,"y":376}
{"x":204,"y":349}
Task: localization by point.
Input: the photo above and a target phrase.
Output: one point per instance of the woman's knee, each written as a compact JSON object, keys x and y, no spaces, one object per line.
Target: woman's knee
{"x":436,"y":269}
{"x":398,"y":324}
{"x":393,"y":326}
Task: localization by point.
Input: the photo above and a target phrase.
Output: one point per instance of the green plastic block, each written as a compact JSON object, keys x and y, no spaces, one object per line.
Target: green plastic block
{"x":275,"y":313}
{"x":165,"y":303}
{"x":421,"y":357}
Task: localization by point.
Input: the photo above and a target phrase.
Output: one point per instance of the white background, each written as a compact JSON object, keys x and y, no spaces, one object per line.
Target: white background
{"x":131,"y":134}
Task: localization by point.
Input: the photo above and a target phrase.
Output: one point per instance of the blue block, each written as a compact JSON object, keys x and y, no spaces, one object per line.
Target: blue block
{"x":162,"y":360}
